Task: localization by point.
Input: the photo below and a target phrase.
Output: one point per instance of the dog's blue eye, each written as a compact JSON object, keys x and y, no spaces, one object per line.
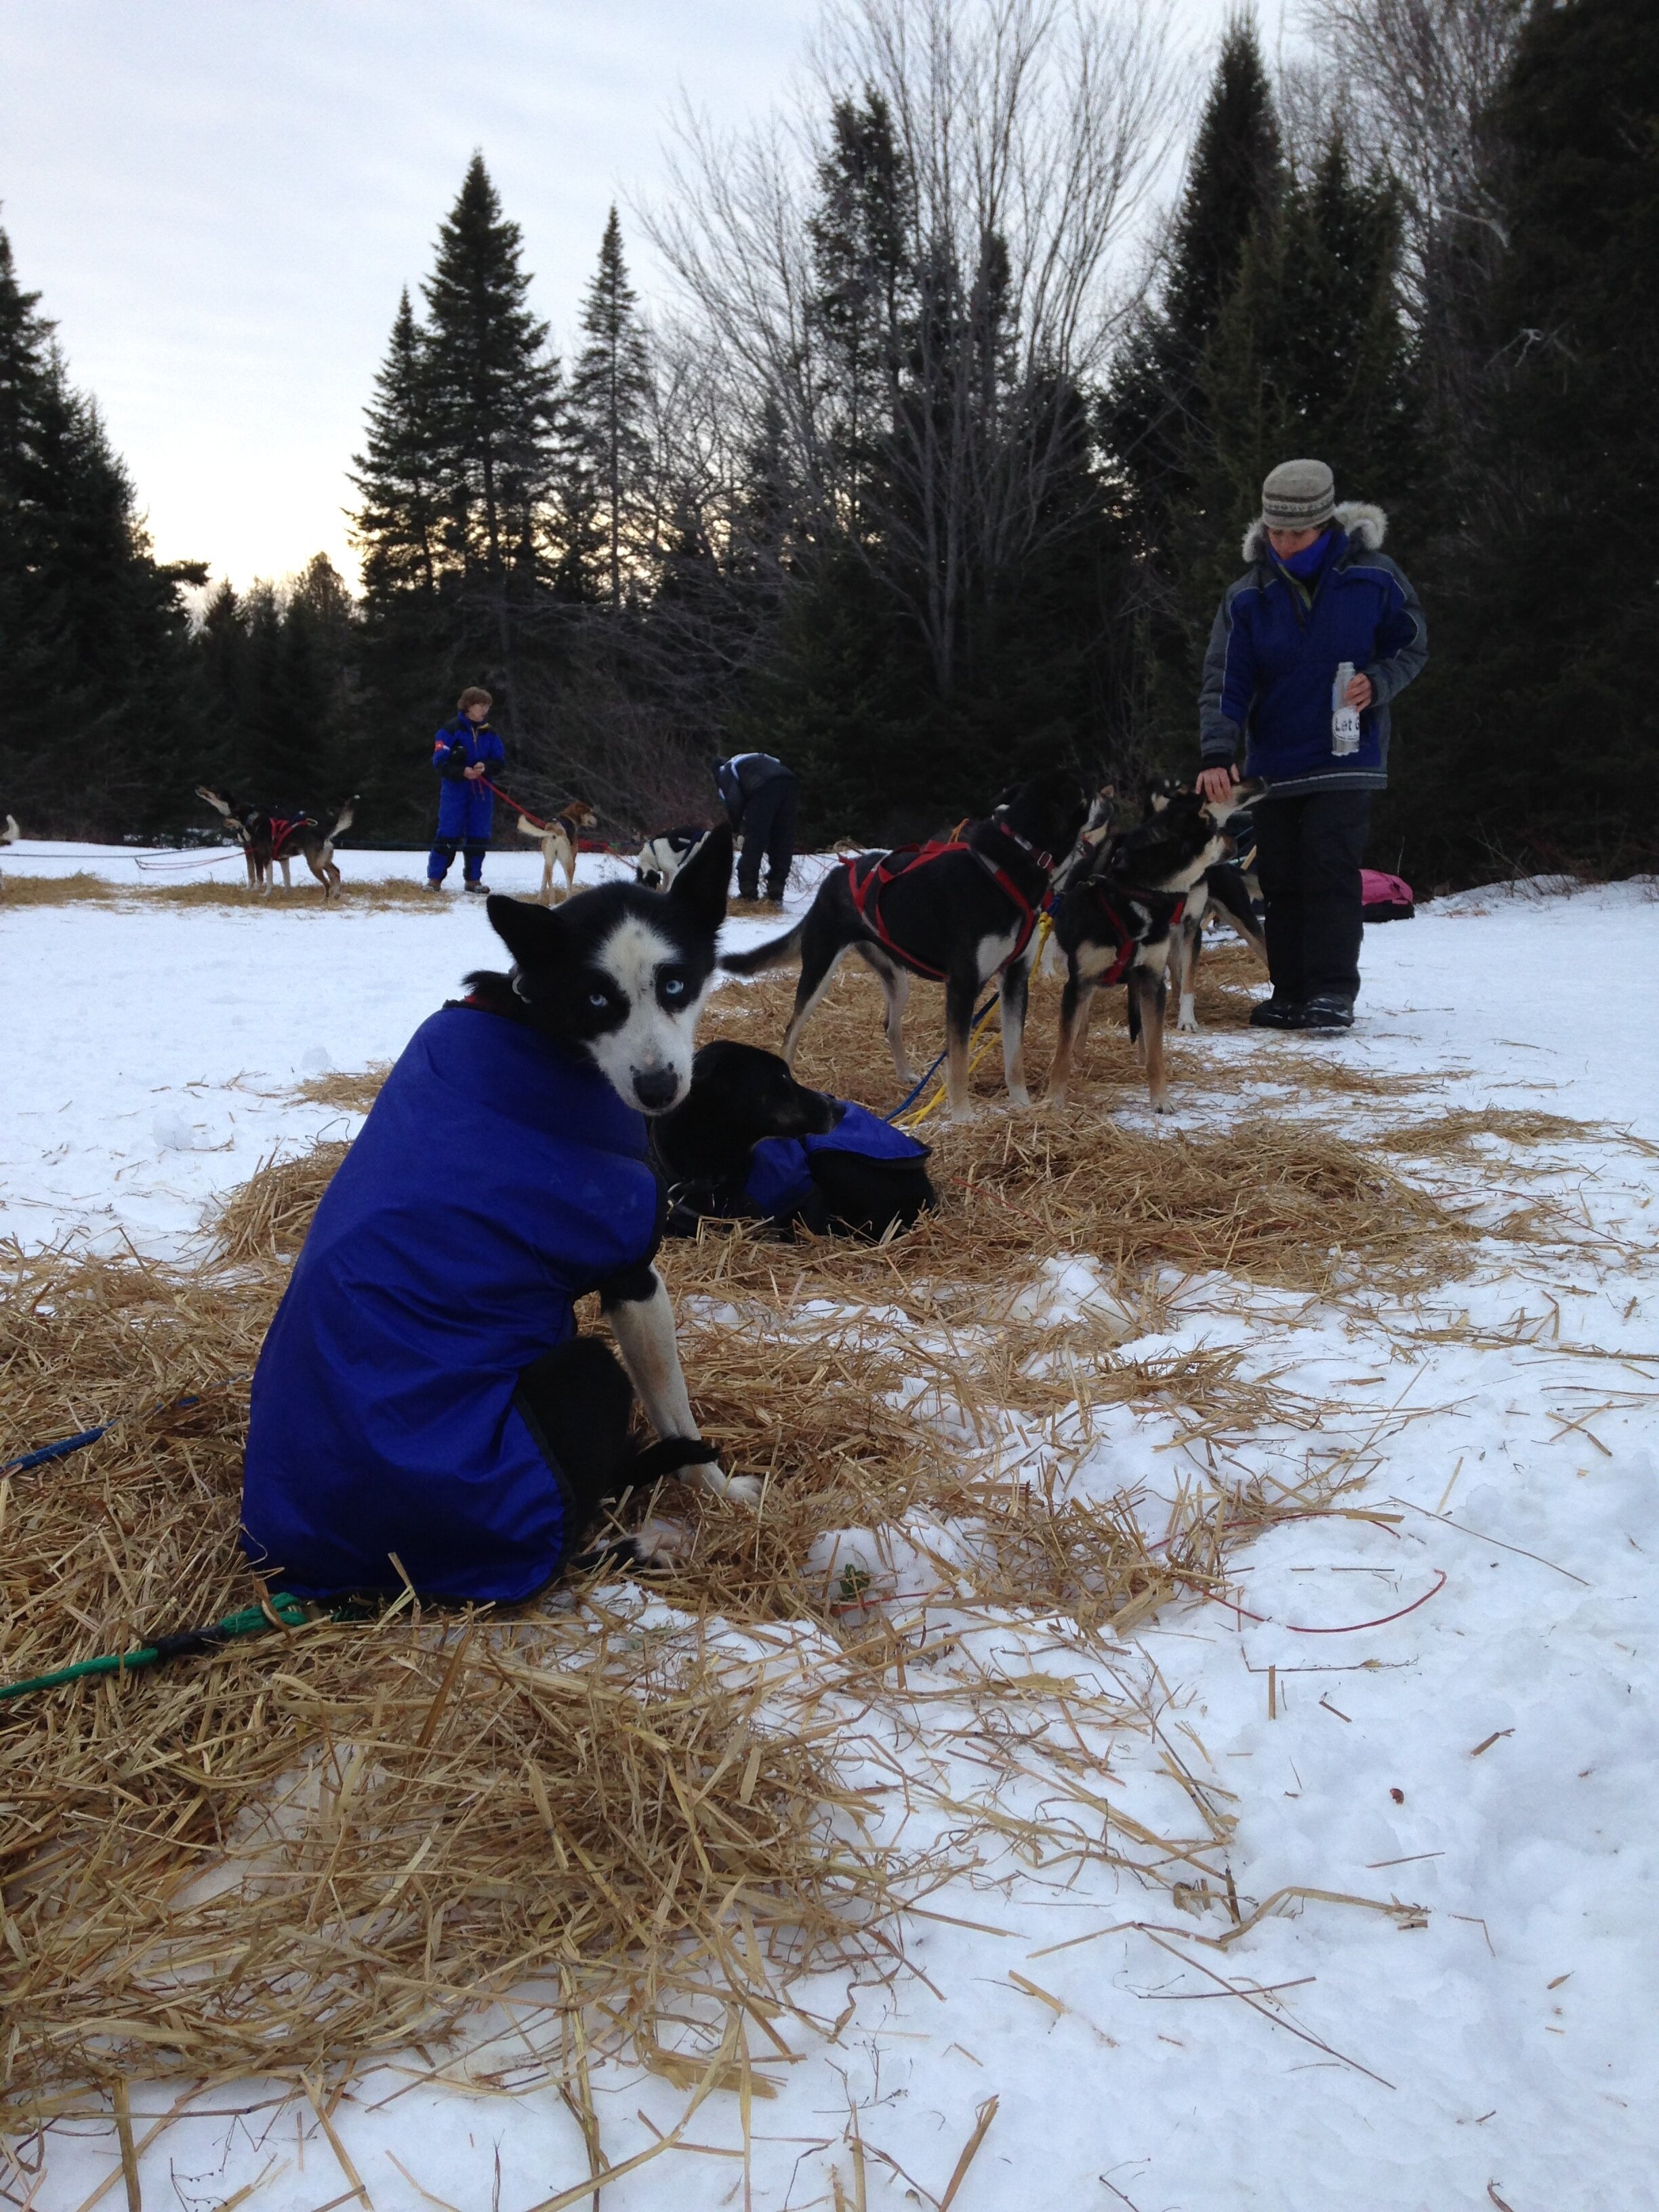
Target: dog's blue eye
{"x":673,"y":988}
{"x":600,"y":999}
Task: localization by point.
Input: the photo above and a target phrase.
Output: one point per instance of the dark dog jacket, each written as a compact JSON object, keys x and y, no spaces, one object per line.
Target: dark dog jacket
{"x":798,"y":1178}
{"x":498,"y":1179}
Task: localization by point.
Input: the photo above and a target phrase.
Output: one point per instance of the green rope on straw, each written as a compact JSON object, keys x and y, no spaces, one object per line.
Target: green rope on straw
{"x":282,"y":1612}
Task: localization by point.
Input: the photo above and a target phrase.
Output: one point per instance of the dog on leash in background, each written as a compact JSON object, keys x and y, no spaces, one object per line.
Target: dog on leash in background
{"x":270,"y":841}
{"x":660,"y":859}
{"x":1117,"y":924}
{"x":560,"y":841}
{"x":959,"y":912}
{"x":1222,"y":889}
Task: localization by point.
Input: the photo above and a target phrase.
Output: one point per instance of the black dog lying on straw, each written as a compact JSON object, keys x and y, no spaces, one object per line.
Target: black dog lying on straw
{"x":750,"y":1143}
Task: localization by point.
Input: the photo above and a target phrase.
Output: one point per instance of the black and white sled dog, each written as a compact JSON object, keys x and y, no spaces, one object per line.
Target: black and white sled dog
{"x":1221,"y":889}
{"x":660,"y":859}
{"x":1118,"y":922}
{"x":960,"y":912}
{"x":270,"y":840}
{"x":619,"y":976}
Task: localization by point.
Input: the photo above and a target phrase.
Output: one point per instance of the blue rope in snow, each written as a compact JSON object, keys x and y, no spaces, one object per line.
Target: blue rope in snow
{"x":65,"y":1445}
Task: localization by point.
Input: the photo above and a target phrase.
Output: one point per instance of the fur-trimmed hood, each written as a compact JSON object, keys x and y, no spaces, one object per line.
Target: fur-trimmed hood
{"x":1366,"y":526}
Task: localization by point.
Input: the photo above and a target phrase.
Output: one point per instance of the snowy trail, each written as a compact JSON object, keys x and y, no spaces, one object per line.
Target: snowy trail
{"x":1487,"y":1752}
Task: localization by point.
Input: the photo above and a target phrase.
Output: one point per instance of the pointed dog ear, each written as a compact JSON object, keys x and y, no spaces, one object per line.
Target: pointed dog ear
{"x":530,"y":932}
{"x":703,"y":883}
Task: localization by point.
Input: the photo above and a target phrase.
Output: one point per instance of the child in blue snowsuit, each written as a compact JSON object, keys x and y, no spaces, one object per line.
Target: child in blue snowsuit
{"x":463,"y":753}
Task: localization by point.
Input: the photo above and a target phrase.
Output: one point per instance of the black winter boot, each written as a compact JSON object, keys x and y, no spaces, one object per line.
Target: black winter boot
{"x":1328,"y":1010}
{"x":1278,"y":1014}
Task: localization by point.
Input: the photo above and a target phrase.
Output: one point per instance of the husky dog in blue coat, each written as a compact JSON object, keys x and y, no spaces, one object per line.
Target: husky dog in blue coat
{"x":423,"y":1410}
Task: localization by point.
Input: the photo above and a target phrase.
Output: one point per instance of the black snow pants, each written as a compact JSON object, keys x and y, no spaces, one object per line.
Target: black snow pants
{"x":768,"y":828}
{"x":1309,"y":851}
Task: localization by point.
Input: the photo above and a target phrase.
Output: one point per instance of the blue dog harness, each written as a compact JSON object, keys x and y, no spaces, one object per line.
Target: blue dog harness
{"x":498,"y":1179}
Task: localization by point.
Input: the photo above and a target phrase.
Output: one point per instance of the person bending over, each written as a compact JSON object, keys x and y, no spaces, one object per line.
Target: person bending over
{"x":464,"y":752}
{"x":1310,"y":647}
{"x":761,"y":796}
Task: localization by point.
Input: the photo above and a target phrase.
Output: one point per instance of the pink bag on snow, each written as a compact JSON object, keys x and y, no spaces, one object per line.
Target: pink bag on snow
{"x":1386,"y":898}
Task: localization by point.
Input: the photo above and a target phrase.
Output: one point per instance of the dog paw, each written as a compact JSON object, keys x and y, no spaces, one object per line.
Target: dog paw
{"x":744,"y":1490}
{"x":1022,"y":1098}
{"x":661,"y":1543}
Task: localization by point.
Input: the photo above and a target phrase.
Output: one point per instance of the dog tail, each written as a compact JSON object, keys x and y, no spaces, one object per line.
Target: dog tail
{"x":772,"y":954}
{"x":529,"y":829}
{"x":1226,"y":888}
{"x":348,"y":815}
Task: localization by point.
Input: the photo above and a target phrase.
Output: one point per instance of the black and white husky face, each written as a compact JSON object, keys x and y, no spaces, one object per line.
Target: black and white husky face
{"x":621,"y":974}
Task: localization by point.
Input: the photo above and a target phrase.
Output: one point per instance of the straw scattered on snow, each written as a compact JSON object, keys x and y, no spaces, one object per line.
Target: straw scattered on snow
{"x":336,"y":1845}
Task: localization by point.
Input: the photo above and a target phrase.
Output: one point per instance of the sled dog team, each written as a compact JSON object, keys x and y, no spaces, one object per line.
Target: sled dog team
{"x":424,"y":1410}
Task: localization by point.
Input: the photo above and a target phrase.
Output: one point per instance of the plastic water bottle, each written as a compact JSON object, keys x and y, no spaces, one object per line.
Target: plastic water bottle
{"x":1345,"y":719}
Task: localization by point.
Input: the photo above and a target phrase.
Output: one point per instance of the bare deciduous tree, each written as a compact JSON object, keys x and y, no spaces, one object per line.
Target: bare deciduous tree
{"x":1418,"y":78}
{"x":1025,"y":135}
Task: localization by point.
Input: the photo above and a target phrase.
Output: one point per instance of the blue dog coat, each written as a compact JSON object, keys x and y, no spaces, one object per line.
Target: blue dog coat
{"x":498,"y":1179}
{"x":779,"y":1179}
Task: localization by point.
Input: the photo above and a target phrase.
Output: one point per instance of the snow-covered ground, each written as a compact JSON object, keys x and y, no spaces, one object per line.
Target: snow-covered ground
{"x":1487,"y":1753}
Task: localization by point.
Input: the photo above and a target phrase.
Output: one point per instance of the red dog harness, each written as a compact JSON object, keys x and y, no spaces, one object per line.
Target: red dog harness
{"x":1122,"y":930}
{"x":284,"y":827}
{"x":867,"y":879}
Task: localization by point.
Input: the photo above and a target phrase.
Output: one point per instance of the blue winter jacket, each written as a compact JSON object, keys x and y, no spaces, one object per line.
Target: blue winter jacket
{"x":1274,"y":652}
{"x":498,"y":1179}
{"x":779,"y":1180}
{"x":463,"y":743}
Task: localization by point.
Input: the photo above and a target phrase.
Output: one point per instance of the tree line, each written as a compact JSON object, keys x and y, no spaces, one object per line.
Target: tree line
{"x":911,"y":487}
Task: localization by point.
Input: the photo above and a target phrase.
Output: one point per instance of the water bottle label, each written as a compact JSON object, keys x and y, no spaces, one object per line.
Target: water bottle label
{"x":1345,"y":719}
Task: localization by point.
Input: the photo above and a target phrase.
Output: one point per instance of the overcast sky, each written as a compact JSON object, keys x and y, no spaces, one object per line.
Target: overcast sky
{"x":219,"y":200}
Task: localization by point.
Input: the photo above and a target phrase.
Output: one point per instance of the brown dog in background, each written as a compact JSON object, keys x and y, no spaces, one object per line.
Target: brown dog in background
{"x":560,"y":841}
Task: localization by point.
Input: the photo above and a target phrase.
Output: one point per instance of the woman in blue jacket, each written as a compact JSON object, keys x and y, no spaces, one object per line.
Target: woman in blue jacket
{"x":1318,"y":599}
{"x":463,"y":753}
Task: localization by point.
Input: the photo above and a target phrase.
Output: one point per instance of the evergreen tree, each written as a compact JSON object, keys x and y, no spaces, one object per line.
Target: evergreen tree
{"x":95,"y":731}
{"x":1309,"y":353}
{"x":1157,"y":417}
{"x":1544,"y":598}
{"x":609,"y":389}
{"x":1155,"y":414}
{"x":398,"y":526}
{"x":277,"y":678}
{"x":494,"y":393}
{"x":864,"y":300}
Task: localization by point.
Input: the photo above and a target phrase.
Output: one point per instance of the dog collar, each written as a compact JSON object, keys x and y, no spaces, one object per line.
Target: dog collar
{"x":1043,"y":860}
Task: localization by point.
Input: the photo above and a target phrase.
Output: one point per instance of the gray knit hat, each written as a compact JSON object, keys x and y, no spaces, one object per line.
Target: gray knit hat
{"x":1298,"y":495}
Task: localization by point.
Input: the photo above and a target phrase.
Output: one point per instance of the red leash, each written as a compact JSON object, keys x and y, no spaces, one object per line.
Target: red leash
{"x":582,"y":844}
{"x":507,"y":799}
